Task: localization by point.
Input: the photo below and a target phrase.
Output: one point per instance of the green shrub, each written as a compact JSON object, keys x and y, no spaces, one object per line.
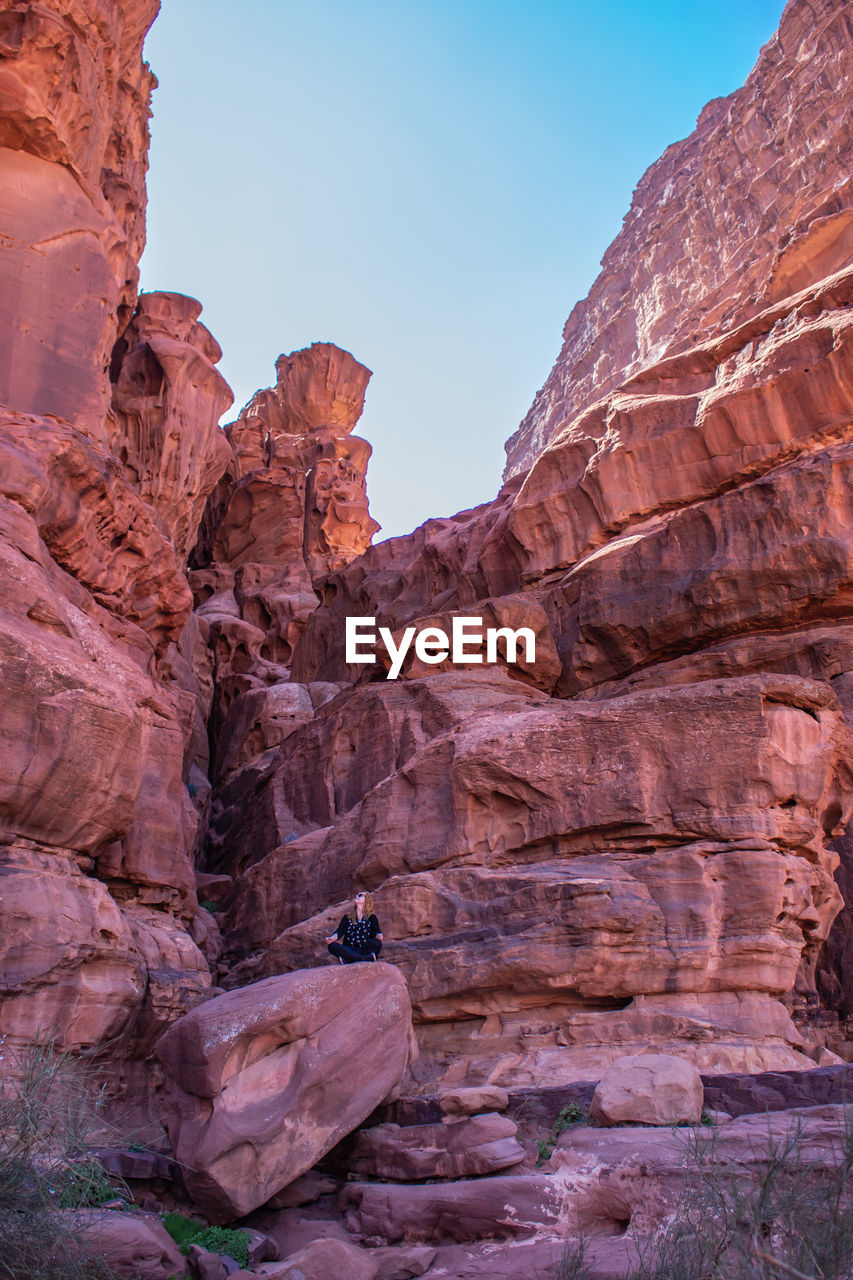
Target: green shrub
{"x":183,"y":1230}
{"x":228,"y":1240}
{"x":186,"y":1231}
{"x":86,"y":1182}
{"x":568,"y":1117}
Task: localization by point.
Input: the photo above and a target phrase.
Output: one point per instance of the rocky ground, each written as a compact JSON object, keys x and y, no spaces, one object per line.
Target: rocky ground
{"x":633,"y":843}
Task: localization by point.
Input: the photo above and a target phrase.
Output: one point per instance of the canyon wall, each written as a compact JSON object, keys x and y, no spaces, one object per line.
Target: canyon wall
{"x":630,"y":841}
{"x":98,"y":831}
{"x":561,"y":849}
{"x":110,"y":449}
{"x":753,"y":207}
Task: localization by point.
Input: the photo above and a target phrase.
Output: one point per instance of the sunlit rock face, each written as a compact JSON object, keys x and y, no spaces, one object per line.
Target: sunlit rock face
{"x":167,"y":399}
{"x":96,"y":825}
{"x":706,"y":497}
{"x":630,"y":842}
{"x":624,"y":843}
{"x":753,"y":207}
{"x":290,"y":507}
{"x":562,"y":880}
{"x":74,"y":106}
{"x":102,"y":484}
{"x":299,"y":472}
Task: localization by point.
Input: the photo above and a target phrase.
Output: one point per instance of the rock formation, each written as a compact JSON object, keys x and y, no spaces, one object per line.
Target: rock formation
{"x":628,"y":842}
{"x":753,"y":207}
{"x":167,"y":399}
{"x":132,"y":1245}
{"x":648,"y":1088}
{"x":98,"y":830}
{"x":109,"y":451}
{"x":74,"y":105}
{"x":484,"y":1143}
{"x":290,"y":507}
{"x":561,"y":879}
{"x":692,"y":525}
{"x":299,"y":486}
{"x":265,"y":1080}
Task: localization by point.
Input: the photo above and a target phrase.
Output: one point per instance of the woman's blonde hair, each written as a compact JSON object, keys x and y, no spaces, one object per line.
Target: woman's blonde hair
{"x":368,"y":907}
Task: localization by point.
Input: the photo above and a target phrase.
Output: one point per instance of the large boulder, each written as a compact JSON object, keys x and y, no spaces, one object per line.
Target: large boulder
{"x":135,"y":1246}
{"x":403,"y":1262}
{"x":648,"y":1088}
{"x":322,"y":1259}
{"x":263,"y":1081}
{"x":472,"y":1101}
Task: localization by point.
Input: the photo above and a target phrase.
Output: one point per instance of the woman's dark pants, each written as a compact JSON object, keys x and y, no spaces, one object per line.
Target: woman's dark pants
{"x":349,"y":955}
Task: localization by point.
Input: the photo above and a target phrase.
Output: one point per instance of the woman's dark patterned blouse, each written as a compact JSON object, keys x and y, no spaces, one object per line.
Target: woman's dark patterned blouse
{"x":357,"y":933}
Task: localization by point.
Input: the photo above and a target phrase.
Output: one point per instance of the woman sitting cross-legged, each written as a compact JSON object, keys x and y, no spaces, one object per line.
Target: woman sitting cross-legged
{"x":358,"y":936}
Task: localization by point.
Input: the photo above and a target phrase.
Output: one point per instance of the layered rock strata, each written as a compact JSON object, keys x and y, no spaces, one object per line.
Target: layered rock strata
{"x":656,"y":499}
{"x":290,"y":507}
{"x":482,"y":1144}
{"x":563,"y":880}
{"x":298,"y":476}
{"x":98,"y":828}
{"x":99,"y":703}
{"x":625,"y":843}
{"x":167,"y":399}
{"x":753,"y":207}
{"x":693,"y":526}
{"x":74,"y":106}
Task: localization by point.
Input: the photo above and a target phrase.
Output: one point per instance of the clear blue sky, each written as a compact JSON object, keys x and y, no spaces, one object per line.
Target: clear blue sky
{"x":428,"y":183}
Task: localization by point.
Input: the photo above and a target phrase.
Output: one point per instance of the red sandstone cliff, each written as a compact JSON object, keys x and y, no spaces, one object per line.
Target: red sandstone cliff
{"x":74,"y":105}
{"x":98,"y":828}
{"x":109,"y":451}
{"x":753,"y":207}
{"x":629,"y":842}
{"x":686,"y":534}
